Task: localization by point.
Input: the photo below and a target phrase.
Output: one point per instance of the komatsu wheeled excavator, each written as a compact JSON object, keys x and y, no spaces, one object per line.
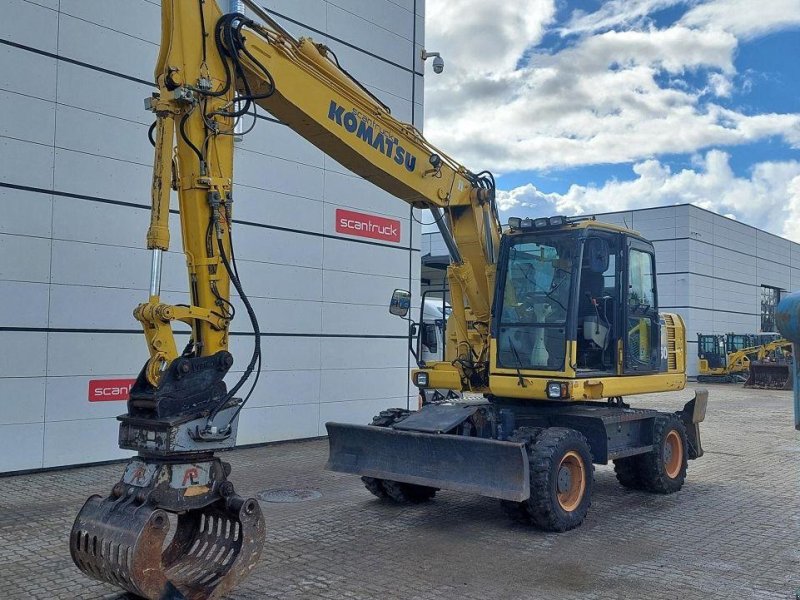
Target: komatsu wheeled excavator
{"x":554,"y":321}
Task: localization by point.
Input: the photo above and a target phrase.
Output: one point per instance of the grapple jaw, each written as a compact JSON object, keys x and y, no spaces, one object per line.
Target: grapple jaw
{"x":123,"y":539}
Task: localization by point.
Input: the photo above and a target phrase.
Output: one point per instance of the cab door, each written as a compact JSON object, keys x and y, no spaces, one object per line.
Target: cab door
{"x":642,"y":337}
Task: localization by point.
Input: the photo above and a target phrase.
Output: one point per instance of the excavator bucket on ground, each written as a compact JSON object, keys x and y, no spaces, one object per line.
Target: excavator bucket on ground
{"x":769,"y":375}
{"x":124,"y":539}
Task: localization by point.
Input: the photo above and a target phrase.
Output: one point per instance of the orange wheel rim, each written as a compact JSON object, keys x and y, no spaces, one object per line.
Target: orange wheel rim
{"x":571,"y":481}
{"x":673,"y":454}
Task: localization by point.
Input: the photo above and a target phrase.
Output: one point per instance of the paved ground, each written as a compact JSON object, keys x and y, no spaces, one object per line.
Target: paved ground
{"x":732,"y":532}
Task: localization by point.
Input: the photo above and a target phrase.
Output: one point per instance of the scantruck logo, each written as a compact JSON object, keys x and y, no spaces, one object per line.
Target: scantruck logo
{"x":369,"y":226}
{"x":106,"y":390}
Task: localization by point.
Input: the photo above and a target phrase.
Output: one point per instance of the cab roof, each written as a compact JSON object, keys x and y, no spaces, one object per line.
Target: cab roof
{"x":567,"y":223}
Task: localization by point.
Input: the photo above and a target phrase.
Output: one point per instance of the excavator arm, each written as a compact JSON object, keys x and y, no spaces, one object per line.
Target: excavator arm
{"x":212,"y":72}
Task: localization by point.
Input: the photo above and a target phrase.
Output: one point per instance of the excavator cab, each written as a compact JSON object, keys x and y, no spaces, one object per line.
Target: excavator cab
{"x":576,"y":299}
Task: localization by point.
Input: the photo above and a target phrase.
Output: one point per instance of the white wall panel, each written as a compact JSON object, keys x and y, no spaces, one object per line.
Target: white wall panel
{"x":279,"y":141}
{"x":24,"y":258}
{"x":101,"y":177}
{"x":80,"y":264}
{"x":311,"y":12}
{"x":21,"y":446}
{"x":67,"y":399}
{"x":27,"y":18}
{"x":17,"y":68}
{"x":281,"y":388}
{"x":277,"y":209}
{"x":358,"y":353}
{"x":371,"y":37}
{"x":103,"y":93}
{"x":359,"y":194}
{"x":26,"y":213}
{"x":102,"y":47}
{"x":134,"y":18}
{"x":22,"y":400}
{"x":358,"y":288}
{"x":88,"y":307}
{"x":92,"y":133}
{"x":355,"y":319}
{"x":341,"y":255}
{"x":26,"y":163}
{"x":26,"y":118}
{"x":277,"y":423}
{"x":23,"y":354}
{"x":25,"y":303}
{"x":79,"y":441}
{"x":363,"y":384}
{"x":383,"y":13}
{"x":109,"y":354}
{"x":79,"y":220}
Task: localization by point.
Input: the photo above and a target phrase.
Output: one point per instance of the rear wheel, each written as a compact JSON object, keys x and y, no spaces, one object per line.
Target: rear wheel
{"x":627,"y":471}
{"x":561,"y":475}
{"x":663,"y":469}
{"x":396,"y":491}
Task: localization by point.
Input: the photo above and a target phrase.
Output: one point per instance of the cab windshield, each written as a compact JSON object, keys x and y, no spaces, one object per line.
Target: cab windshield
{"x":532,"y":332}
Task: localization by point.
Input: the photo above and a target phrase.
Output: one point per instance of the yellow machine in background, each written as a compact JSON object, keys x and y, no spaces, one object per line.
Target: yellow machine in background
{"x":763,"y":365}
{"x":554,"y":321}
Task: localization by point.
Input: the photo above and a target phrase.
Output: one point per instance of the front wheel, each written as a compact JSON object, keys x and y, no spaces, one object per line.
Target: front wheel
{"x":561,"y":476}
{"x":396,"y":491}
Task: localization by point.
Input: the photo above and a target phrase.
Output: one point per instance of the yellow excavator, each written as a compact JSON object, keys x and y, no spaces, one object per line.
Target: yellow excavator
{"x":554,"y":321}
{"x":764,"y":363}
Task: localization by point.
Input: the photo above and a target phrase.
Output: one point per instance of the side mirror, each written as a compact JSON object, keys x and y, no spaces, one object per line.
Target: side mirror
{"x":401,"y":303}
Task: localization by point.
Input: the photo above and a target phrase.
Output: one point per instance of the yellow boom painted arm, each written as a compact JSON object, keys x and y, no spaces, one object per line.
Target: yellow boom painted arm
{"x":201,"y":67}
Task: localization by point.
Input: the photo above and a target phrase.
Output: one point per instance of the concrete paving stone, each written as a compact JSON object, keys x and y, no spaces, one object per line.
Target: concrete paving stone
{"x":732,"y":532}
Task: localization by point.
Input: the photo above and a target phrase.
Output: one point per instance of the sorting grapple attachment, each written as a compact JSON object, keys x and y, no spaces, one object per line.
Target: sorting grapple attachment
{"x":123,"y":539}
{"x":770,"y":375}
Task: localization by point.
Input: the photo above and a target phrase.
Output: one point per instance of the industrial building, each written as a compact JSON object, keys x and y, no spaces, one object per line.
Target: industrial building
{"x":75,"y":176}
{"x":720,"y":275}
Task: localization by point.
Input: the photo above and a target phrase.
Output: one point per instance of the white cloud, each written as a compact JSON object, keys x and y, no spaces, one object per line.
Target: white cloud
{"x":610,"y":97}
{"x":489,"y":36}
{"x":769,"y":198}
{"x":617,"y":13}
{"x":744,"y":18}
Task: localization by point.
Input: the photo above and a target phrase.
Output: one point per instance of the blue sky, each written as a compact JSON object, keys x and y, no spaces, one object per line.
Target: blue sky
{"x":585,"y":106}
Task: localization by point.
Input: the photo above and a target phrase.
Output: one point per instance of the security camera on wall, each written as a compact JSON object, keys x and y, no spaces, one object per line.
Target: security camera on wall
{"x":438,"y":61}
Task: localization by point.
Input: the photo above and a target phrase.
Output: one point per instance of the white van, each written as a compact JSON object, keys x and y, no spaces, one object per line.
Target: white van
{"x":432,"y":340}
{"x":431,"y":334}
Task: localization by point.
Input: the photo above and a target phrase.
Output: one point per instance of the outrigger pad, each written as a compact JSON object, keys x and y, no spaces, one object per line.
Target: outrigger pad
{"x":122,"y":540}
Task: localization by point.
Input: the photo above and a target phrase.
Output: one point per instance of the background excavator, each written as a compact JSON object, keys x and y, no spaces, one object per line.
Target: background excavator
{"x":757,"y":360}
{"x":554,"y":321}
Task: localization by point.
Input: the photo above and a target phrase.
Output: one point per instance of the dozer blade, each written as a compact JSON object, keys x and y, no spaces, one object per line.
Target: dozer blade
{"x":453,"y":462}
{"x":769,"y":375}
{"x":122,"y":539}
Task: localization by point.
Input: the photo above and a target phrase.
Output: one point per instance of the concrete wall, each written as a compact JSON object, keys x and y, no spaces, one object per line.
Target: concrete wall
{"x":75,"y":169}
{"x":710,"y":268}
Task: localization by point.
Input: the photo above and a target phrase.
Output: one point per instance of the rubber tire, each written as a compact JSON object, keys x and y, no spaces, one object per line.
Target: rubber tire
{"x":652,"y":471}
{"x":407,"y":493}
{"x":546,"y":448}
{"x":627,"y":471}
{"x":401,"y":493}
{"x":518,"y":511}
